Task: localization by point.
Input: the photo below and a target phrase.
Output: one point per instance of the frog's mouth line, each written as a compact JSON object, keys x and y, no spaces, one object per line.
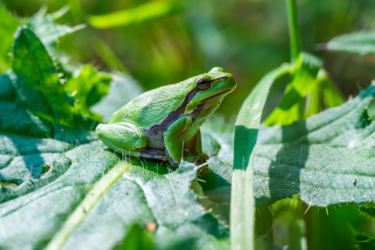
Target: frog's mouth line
{"x":213,"y":96}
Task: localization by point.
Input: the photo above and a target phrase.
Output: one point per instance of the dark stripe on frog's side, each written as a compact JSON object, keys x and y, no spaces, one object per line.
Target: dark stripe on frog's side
{"x":155,"y":133}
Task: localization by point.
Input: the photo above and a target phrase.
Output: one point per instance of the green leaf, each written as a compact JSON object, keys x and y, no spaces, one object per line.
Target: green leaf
{"x":303,"y":80}
{"x":246,"y":132}
{"x":330,"y":93}
{"x":324,"y":90}
{"x":90,"y":197}
{"x":361,"y":43}
{"x":327,"y":159}
{"x":8,"y":25}
{"x":37,"y":79}
{"x":364,"y":242}
{"x":88,"y":88}
{"x":137,"y":238}
{"x":47,"y":30}
{"x":108,"y":56}
{"x":141,"y":13}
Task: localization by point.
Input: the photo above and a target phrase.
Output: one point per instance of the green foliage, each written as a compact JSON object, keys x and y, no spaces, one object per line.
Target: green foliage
{"x":326,"y":159}
{"x":144,"y":12}
{"x":62,"y":188}
{"x":123,"y":89}
{"x":37,"y":75}
{"x":88,"y":88}
{"x":45,"y":26}
{"x":361,"y":43}
{"x":7,"y":28}
{"x":307,"y":79}
{"x":137,"y":239}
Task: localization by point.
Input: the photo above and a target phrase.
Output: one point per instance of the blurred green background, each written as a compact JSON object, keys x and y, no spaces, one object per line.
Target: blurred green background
{"x":172,"y":40}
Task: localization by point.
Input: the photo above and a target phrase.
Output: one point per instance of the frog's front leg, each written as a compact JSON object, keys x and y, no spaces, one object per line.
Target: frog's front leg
{"x":173,"y":146}
{"x":194,"y":148}
{"x":122,"y":136}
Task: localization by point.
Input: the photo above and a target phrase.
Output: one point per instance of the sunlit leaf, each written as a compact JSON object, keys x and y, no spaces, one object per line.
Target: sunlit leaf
{"x":88,"y":88}
{"x":37,"y":79}
{"x":8,"y":26}
{"x":141,"y":13}
{"x":330,"y":93}
{"x":361,"y":43}
{"x":45,"y":27}
{"x":303,"y":80}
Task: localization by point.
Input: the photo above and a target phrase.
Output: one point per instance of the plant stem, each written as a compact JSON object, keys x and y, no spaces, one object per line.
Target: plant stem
{"x":295,"y":43}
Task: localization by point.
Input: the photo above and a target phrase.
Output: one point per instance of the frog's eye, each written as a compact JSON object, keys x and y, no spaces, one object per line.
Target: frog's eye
{"x":203,"y":83}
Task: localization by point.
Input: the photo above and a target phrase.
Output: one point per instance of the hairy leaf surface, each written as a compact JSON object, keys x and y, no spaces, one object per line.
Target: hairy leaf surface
{"x":327,"y":158}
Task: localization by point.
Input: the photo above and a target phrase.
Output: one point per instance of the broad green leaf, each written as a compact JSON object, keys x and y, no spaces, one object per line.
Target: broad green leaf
{"x":8,"y":26}
{"x":90,"y":198}
{"x":246,"y":133}
{"x":361,"y":43}
{"x":48,"y":30}
{"x":88,"y":87}
{"x":326,"y":159}
{"x":37,"y":79}
{"x":141,"y":13}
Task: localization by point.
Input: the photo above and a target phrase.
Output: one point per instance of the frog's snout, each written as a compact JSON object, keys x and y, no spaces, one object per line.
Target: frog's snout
{"x":104,"y":132}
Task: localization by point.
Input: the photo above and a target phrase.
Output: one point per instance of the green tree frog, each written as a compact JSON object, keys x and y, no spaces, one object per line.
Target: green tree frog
{"x":164,"y":123}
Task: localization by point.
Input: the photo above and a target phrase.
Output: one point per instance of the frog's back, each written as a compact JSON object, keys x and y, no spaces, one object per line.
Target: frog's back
{"x":153,"y":106}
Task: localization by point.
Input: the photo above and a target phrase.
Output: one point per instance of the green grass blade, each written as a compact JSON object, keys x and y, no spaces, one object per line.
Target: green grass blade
{"x":246,"y":132}
{"x":108,"y":56}
{"x":144,"y":12}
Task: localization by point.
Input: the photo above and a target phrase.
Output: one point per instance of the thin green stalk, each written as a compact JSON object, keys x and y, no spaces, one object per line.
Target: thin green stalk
{"x":295,"y":43}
